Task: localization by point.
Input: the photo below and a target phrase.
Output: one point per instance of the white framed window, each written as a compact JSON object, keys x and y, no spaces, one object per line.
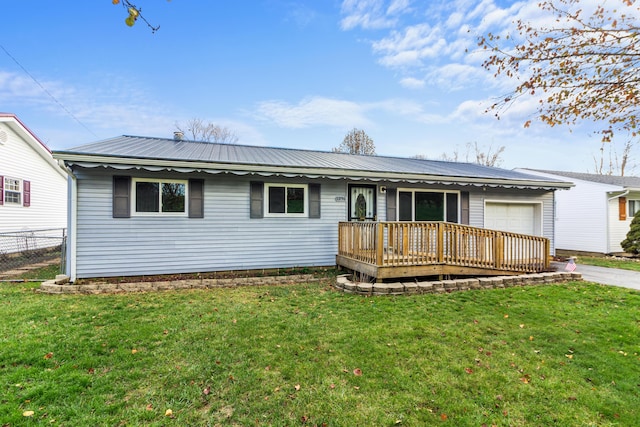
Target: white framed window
{"x":634,"y":206}
{"x":12,"y":191}
{"x":159,"y":197}
{"x":286,"y":200}
{"x":428,"y":205}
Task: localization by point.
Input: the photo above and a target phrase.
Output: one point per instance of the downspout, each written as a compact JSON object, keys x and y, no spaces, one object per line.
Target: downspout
{"x":623,"y":194}
{"x":72,"y":209}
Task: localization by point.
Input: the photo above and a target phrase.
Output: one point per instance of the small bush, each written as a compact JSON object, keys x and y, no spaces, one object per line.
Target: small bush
{"x":632,"y":243}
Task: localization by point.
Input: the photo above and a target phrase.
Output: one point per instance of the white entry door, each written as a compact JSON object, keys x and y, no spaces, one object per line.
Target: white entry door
{"x":524,"y":218}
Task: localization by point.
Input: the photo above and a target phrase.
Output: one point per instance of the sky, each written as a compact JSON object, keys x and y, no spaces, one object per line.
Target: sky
{"x":280,"y":73}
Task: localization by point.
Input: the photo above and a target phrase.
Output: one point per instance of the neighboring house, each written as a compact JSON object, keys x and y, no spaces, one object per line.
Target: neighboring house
{"x":33,"y":188}
{"x":595,"y":215}
{"x":158,"y":206}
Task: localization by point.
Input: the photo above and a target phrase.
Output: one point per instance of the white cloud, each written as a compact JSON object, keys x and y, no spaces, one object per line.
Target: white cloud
{"x":314,"y":111}
{"x":367,"y":14}
{"x":411,"y":46}
{"x":412,"y":83}
{"x":372,"y":14}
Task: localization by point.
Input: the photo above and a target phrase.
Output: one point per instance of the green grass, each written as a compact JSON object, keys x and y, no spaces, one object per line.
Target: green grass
{"x":625,"y":264}
{"x":565,"y":355}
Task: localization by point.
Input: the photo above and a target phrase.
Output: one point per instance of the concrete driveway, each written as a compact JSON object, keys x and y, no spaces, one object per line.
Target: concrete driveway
{"x":606,"y":276}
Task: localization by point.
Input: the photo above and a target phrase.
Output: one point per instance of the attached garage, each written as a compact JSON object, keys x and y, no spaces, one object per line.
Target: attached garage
{"x":525,"y":218}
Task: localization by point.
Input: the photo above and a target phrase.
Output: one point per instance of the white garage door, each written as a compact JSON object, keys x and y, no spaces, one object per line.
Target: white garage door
{"x":513,"y":217}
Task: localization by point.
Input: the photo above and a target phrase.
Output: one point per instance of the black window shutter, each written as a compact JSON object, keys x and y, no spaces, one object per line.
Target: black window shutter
{"x":464,"y":207}
{"x":256,"y":199}
{"x":121,"y":197}
{"x":26,"y":193}
{"x":314,"y":200}
{"x":196,"y":198}
{"x":391,"y":204}
{"x":1,"y":190}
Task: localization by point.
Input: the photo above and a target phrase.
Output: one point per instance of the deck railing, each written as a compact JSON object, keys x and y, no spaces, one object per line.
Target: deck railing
{"x":394,"y":244}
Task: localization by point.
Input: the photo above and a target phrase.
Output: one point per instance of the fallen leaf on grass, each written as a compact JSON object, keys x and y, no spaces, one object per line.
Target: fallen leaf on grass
{"x":297,"y":387}
{"x":168,"y":413}
{"x":149,"y":407}
{"x":468,"y":370}
{"x":134,"y":351}
{"x":357,"y":372}
{"x":48,"y":355}
{"x":443,"y":417}
{"x":28,"y":413}
{"x":206,"y":391}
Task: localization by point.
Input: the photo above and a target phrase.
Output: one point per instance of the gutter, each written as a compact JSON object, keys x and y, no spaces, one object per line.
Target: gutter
{"x":623,"y":194}
{"x":241,"y":169}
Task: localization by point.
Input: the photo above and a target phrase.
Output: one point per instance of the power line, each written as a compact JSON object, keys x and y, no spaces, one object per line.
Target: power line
{"x":47,"y":92}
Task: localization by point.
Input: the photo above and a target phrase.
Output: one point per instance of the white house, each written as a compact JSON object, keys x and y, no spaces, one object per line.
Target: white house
{"x":142,"y":206}
{"x":33,"y":188}
{"x":595,"y":215}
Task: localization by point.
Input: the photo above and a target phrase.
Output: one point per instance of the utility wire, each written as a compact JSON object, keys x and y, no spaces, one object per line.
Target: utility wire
{"x":47,"y":92}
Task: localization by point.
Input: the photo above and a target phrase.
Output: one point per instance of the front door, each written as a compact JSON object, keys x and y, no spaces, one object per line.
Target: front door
{"x":362,"y":203}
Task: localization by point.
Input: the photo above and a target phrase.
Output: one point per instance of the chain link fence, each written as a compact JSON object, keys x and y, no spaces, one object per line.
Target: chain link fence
{"x":23,"y":251}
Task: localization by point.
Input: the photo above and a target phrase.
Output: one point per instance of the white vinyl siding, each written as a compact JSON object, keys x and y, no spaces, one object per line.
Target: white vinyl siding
{"x":225,"y":239}
{"x":27,"y":160}
{"x":617,"y":230}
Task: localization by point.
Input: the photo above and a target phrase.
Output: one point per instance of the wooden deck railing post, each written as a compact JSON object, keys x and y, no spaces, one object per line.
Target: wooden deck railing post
{"x":379,"y":243}
{"x":440,"y":242}
{"x":547,"y":254}
{"x":498,"y":255}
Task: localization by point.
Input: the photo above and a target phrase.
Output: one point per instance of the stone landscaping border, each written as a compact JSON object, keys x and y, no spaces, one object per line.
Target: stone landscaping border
{"x":61,"y":285}
{"x":402,"y":288}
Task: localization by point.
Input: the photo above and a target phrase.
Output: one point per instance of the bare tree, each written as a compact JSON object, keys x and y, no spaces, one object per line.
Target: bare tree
{"x":357,"y":142}
{"x":476,"y":154}
{"x":199,"y":130}
{"x":615,"y":164}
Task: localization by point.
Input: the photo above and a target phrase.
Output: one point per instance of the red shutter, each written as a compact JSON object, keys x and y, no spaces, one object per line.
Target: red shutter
{"x":26,"y":193}
{"x":622,"y":208}
{"x":1,"y":190}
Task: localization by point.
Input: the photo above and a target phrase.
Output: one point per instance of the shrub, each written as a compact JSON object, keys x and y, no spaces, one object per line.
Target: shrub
{"x":632,"y":243}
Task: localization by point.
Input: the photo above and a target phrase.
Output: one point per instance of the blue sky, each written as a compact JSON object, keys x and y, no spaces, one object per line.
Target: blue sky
{"x":280,"y":73}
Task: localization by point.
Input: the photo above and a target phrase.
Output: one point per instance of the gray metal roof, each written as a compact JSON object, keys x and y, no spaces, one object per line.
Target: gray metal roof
{"x":162,"y":151}
{"x":621,"y":181}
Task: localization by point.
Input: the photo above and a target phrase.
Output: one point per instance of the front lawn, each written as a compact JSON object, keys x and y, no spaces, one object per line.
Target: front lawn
{"x":565,"y":355}
{"x":612,"y":262}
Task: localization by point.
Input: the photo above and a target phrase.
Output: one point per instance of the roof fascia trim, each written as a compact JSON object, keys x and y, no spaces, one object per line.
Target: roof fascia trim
{"x":85,"y":160}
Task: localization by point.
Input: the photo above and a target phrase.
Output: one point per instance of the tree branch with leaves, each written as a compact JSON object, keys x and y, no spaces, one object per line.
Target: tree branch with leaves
{"x":582,"y":66}
{"x":134,"y":12}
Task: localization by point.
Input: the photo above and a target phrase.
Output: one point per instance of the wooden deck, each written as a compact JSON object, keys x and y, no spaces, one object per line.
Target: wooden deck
{"x":385,"y":250}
